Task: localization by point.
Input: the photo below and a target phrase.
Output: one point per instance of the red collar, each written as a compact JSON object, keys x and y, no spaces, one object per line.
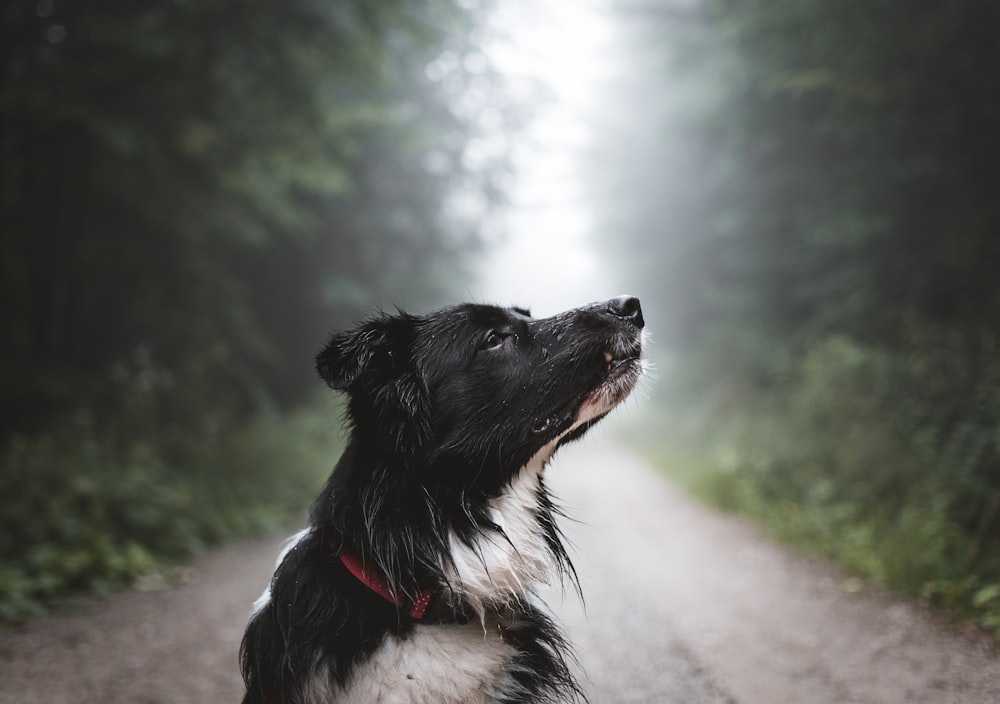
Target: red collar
{"x":372,"y":578}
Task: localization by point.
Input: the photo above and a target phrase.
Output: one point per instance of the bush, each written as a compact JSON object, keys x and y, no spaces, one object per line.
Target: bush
{"x":882,"y":461}
{"x":90,"y":509}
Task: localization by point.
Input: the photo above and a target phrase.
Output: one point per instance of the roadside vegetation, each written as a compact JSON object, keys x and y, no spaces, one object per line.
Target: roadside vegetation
{"x":103,"y":506}
{"x":836,"y":463}
{"x":194,"y":194}
{"x":810,"y":217}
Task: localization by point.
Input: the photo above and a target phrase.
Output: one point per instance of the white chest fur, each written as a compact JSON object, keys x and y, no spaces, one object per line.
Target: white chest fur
{"x":435,"y":664}
{"x":502,"y":568}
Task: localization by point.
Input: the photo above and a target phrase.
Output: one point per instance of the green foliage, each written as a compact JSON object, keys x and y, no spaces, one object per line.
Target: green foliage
{"x":219,"y":183}
{"x":92,"y":509}
{"x":192,"y":194}
{"x":838,"y":460}
{"x":816,"y":171}
{"x":810,"y":215}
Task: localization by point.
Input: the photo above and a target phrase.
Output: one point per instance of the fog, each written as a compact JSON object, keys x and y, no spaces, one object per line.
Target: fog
{"x":542,"y":257}
{"x":193,"y":196}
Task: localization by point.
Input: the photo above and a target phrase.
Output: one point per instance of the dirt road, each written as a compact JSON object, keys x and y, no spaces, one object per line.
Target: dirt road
{"x":683,"y":606}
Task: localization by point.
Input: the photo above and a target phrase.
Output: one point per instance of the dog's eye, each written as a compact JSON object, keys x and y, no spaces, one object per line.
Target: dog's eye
{"x":493,"y":340}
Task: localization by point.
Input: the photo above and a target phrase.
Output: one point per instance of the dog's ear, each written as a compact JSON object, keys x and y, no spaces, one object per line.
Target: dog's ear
{"x":349,"y":353}
{"x":374,"y":362}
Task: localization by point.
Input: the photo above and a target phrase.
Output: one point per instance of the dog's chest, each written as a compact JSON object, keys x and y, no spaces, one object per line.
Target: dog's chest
{"x":434,"y":664}
{"x":497,"y":568}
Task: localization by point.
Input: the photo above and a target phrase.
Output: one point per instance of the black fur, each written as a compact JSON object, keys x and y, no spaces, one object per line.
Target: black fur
{"x":445,"y":411}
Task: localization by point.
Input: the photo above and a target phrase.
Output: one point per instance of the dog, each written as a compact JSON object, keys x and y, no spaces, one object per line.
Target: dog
{"x":415,"y":580}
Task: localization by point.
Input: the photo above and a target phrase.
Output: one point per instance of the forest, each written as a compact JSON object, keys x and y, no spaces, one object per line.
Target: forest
{"x":193,"y":195}
{"x":814,"y":209}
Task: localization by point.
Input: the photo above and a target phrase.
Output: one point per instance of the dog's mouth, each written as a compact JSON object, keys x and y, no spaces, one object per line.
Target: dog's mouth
{"x":622,"y":369}
{"x":618,"y":365}
{"x":619,"y":375}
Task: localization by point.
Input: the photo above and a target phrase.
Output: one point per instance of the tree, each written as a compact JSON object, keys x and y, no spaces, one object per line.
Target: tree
{"x":813,"y":218}
{"x":216,"y":184}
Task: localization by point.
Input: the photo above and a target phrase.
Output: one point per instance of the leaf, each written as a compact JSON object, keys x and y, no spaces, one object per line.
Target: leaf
{"x":986,"y":596}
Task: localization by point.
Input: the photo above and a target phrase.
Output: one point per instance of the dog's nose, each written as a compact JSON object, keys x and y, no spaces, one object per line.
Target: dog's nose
{"x":627,"y":308}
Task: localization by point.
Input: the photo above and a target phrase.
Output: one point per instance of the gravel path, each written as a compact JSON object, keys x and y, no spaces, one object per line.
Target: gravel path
{"x":683,"y":606}
{"x":762,"y":624}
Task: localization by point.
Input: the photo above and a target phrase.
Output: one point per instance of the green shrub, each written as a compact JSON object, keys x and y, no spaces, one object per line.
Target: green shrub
{"x":88,"y":509}
{"x":884,"y":462}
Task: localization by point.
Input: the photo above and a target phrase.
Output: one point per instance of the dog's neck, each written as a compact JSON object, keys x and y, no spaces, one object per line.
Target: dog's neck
{"x":511,"y":547}
{"x":504,"y":564}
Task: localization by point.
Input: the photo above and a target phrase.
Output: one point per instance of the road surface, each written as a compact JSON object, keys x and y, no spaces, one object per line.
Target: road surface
{"x":683,"y":606}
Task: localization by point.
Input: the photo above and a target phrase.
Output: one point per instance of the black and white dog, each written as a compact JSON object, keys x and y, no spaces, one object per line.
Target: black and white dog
{"x":415,"y":579}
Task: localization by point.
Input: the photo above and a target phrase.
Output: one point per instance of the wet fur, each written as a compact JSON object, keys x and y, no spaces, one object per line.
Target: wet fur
{"x":442,"y":486}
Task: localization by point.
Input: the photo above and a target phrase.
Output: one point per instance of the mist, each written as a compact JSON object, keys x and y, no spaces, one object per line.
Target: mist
{"x":803,"y":195}
{"x":543,"y":257}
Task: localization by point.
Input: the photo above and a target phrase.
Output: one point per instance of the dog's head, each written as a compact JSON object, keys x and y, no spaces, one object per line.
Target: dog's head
{"x":482,"y":389}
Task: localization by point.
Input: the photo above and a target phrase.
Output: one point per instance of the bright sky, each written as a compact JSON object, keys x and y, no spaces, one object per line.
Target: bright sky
{"x":544,"y":262}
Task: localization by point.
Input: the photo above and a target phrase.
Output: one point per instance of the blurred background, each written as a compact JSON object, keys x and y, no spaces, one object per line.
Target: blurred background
{"x":804,"y":194}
